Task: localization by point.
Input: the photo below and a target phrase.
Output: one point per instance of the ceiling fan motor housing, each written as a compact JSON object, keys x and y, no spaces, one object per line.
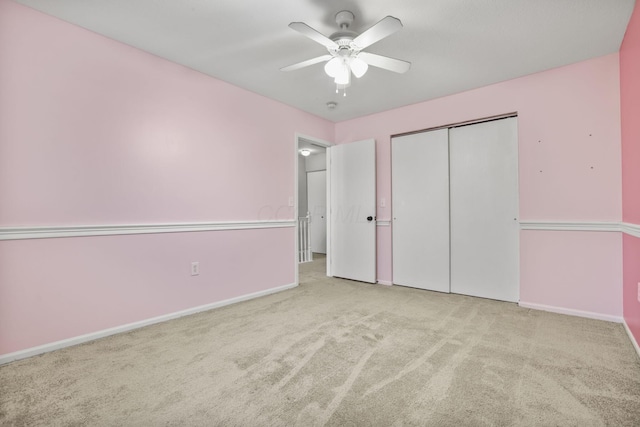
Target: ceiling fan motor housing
{"x":345,"y":47}
{"x":344,"y":18}
{"x":344,"y":37}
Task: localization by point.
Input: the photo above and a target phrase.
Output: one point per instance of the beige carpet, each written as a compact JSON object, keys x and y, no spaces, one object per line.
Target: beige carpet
{"x":339,"y":353}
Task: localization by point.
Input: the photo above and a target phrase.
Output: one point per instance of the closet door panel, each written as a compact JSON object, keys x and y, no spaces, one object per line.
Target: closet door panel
{"x":484,"y":210}
{"x":420,"y":203}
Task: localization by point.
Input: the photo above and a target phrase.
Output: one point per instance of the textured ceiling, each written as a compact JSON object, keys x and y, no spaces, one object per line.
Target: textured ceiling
{"x":454,"y":45}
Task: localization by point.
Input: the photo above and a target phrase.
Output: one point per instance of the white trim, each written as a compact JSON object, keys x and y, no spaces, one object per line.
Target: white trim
{"x":569,"y":226}
{"x":33,"y":351}
{"x":571,"y":312}
{"x":630,"y":229}
{"x":624,"y":227}
{"x":48,"y":232}
{"x":385,"y":283}
{"x":329,"y":254}
{"x":631,"y":337}
{"x":296,"y":214}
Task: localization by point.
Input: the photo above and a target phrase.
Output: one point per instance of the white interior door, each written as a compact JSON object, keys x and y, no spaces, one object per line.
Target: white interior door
{"x":484,"y":210}
{"x":420,"y":189}
{"x":317,"y":205}
{"x":353,"y":210}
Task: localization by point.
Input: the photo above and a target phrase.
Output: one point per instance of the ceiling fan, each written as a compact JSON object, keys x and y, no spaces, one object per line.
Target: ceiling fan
{"x":345,"y":48}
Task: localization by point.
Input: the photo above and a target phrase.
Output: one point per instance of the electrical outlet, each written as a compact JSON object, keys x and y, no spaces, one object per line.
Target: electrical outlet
{"x":383,"y":202}
{"x":290,"y":201}
{"x":638,"y":291}
{"x":195,"y":268}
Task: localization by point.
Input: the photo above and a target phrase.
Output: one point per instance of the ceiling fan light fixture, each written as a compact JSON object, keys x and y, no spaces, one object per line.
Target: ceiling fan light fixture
{"x":359,"y":67}
{"x":333,"y":67}
{"x":344,"y":75}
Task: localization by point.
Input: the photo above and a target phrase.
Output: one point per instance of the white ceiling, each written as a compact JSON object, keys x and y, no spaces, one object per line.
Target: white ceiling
{"x":454,"y":45}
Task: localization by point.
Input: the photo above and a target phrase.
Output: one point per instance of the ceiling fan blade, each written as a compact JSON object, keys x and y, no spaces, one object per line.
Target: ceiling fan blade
{"x":385,"y":27}
{"x":306,"y":63}
{"x":385,"y":62}
{"x":314,"y":35}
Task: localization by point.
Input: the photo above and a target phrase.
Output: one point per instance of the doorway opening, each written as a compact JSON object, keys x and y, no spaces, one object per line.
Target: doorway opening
{"x":312,"y":206}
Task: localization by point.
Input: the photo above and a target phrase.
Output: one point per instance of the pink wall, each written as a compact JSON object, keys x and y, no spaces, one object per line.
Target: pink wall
{"x":54,"y":289}
{"x":96,"y":132}
{"x":630,"y":106}
{"x":573,"y":283}
{"x":569,"y":166}
{"x":631,"y":278}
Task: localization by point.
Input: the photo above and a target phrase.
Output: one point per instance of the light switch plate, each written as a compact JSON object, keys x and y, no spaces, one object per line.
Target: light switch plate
{"x":195,"y":268}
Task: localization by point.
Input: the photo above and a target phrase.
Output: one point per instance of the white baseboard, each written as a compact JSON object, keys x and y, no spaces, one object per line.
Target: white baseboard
{"x":384,"y":282}
{"x":571,"y":312}
{"x":33,"y":351}
{"x":632,"y":338}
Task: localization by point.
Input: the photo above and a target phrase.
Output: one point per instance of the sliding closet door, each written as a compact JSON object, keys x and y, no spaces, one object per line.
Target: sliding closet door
{"x":420,"y":189}
{"x":484,"y":210}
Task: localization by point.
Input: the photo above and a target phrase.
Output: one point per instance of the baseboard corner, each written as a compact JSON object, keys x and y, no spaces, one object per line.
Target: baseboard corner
{"x":384,"y":282}
{"x":631,"y":337}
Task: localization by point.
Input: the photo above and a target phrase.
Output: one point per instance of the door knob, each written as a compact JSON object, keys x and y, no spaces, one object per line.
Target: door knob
{"x":369,"y":218}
